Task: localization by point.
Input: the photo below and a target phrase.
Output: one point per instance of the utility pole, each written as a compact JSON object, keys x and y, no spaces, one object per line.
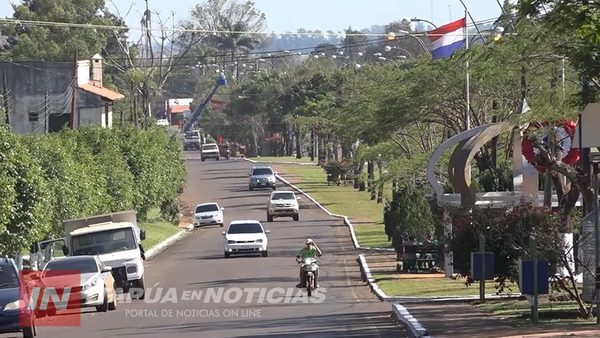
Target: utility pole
{"x":46,"y":112}
{"x":74,"y":93}
{"x":5,"y":99}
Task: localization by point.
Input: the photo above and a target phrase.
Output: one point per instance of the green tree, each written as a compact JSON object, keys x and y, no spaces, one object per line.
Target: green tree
{"x":24,"y":203}
{"x":407,"y":212}
{"x":52,"y":42}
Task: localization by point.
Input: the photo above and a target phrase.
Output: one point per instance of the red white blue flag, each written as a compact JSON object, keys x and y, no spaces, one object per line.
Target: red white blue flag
{"x":445,"y":40}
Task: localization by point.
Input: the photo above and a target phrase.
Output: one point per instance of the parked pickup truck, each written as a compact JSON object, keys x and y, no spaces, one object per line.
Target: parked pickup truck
{"x":115,"y":238}
{"x":192,"y":140}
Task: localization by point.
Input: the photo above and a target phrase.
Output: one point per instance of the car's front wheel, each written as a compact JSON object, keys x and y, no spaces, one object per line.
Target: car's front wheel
{"x":296,"y":217}
{"x":227,"y":255}
{"x":265,"y":254}
{"x":269,"y":218}
{"x":104,"y":306}
{"x":29,"y":331}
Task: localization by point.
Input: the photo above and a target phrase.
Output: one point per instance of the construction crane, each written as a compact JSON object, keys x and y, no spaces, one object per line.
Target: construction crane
{"x":221,"y":81}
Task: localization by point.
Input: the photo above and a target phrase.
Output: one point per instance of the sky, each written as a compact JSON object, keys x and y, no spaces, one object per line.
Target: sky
{"x":336,"y":15}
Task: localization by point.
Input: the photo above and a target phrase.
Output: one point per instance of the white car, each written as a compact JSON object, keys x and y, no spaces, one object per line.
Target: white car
{"x":283,"y":204}
{"x":208,"y":213}
{"x":162,"y":122}
{"x":96,"y":287}
{"x":245,"y":237}
{"x":210,"y":150}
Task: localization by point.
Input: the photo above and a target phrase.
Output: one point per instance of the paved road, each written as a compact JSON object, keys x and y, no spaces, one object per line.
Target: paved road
{"x":196,"y":264}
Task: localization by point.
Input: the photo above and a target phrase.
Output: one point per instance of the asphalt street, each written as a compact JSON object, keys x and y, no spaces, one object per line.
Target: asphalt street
{"x":195,"y":268}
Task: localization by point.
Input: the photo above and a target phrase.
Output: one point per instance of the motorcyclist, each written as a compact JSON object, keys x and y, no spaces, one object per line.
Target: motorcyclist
{"x":311,"y":250}
{"x":227,"y":151}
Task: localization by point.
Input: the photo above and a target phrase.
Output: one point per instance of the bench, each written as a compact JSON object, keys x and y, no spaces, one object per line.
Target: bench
{"x":419,"y":257}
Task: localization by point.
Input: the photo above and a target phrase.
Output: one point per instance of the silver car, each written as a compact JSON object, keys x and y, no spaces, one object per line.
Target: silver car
{"x":262,"y":177}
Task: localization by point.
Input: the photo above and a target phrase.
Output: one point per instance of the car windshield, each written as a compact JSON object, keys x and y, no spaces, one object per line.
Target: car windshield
{"x":245,"y":228}
{"x":71,"y":266}
{"x":283,"y":196}
{"x":209,"y":147}
{"x":262,"y":171}
{"x":103,"y":242}
{"x":191,"y":134}
{"x":207,"y":208}
{"x":8,"y":277}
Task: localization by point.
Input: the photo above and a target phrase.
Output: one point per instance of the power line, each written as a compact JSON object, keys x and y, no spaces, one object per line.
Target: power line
{"x":194,"y":30}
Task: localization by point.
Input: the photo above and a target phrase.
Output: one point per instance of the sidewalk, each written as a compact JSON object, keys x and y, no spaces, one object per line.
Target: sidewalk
{"x":454,"y":319}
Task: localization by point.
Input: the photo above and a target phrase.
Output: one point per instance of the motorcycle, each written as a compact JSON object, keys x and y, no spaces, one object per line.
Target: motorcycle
{"x":309,"y":268}
{"x":227,"y":154}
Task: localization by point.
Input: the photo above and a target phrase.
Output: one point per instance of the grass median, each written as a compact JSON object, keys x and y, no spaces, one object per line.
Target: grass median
{"x":157,"y":229}
{"x":365,"y":214}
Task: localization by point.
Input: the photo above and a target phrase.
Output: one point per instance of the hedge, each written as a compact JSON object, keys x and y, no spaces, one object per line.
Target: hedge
{"x":77,"y":173}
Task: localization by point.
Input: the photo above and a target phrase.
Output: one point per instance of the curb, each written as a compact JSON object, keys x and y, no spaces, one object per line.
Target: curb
{"x":158,"y":248}
{"x":368,"y":277}
{"x":413,"y":325}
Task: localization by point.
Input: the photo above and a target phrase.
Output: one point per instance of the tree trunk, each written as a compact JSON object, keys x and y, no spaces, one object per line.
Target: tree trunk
{"x":255,"y":141}
{"x":298,"y":143}
{"x":371,"y":176}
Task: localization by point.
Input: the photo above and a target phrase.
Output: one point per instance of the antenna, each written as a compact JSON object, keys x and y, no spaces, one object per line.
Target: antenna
{"x":450,"y":12}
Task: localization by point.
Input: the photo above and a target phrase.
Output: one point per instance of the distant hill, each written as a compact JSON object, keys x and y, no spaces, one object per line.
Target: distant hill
{"x":308,"y":39}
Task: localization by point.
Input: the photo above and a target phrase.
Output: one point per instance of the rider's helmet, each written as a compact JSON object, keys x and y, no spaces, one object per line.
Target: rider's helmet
{"x":309,"y":241}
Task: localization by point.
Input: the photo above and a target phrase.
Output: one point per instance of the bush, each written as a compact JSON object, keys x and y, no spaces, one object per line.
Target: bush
{"x":24,"y":202}
{"x":409,"y":212}
{"x":76,"y":173}
{"x":507,"y":233}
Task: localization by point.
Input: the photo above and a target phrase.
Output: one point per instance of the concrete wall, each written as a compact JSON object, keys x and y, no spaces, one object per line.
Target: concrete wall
{"x":26,"y":84}
{"x":41,"y":91}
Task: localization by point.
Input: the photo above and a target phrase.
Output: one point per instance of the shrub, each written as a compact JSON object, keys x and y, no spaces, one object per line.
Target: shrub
{"x":409,"y":212}
{"x":77,"y":173}
{"x":24,"y":202}
{"x":507,"y":233}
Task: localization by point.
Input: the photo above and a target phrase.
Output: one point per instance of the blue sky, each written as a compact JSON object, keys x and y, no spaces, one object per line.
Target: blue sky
{"x":335,"y":15}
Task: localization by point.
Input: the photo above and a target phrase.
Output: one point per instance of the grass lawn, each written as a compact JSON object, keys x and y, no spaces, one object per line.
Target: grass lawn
{"x":550,"y":313}
{"x":364,"y":213}
{"x":157,"y":230}
{"x":372,"y":235}
{"x":429,"y":287}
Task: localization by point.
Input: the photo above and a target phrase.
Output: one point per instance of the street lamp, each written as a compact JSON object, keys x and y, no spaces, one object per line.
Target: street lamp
{"x":595,"y":158}
{"x":389,"y":49}
{"x":391,"y":36}
{"x":423,"y":20}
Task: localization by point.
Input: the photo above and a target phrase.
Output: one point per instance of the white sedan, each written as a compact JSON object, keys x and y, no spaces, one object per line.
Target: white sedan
{"x":245,"y":237}
{"x":89,"y":280}
{"x":208,"y":213}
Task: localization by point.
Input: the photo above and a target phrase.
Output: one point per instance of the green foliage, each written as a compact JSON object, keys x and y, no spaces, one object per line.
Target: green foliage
{"x":507,"y":233}
{"x":51,"y":43}
{"x":24,"y":201}
{"x":90,"y":171}
{"x":409,"y":212}
{"x":336,"y":169}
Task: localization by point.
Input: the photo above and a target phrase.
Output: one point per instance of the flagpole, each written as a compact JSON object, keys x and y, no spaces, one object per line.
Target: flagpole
{"x":468,"y":82}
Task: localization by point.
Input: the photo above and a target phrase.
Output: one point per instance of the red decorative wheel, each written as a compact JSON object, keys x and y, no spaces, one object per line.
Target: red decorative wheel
{"x":565,"y":130}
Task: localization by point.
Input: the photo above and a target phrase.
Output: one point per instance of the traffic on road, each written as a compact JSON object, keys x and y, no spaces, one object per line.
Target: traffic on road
{"x":241,"y":281}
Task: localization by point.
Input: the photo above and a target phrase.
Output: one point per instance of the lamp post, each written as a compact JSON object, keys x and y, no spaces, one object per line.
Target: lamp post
{"x":389,"y":49}
{"x":595,"y":158}
{"x":423,"y":20}
{"x":391,"y":36}
{"x":391,"y":60}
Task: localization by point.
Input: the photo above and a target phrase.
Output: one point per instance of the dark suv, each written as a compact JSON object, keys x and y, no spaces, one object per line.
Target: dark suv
{"x":15,"y":314}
